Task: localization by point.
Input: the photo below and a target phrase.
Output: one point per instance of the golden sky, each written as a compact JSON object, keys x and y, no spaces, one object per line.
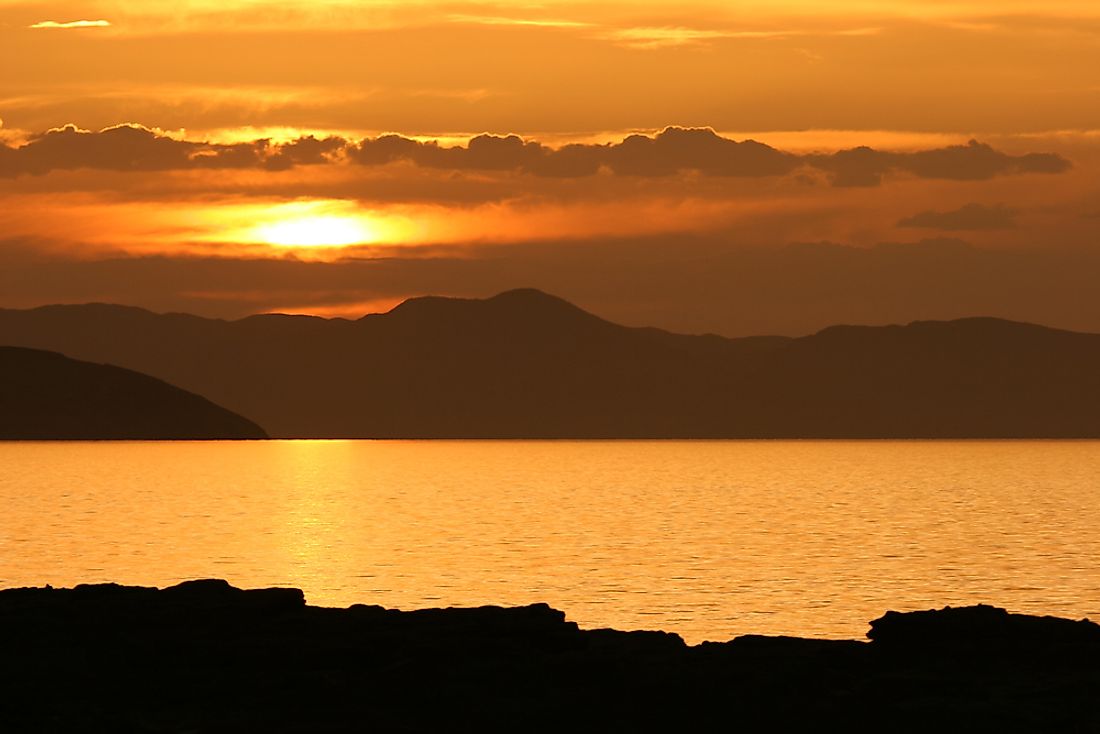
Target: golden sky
{"x":370,"y":151}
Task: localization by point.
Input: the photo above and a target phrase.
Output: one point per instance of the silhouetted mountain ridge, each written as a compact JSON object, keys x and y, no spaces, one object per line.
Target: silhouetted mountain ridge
{"x":47,"y":396}
{"x":527,"y":364}
{"x":517,"y":312}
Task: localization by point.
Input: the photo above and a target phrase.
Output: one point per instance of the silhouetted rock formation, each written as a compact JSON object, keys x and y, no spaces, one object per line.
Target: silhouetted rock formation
{"x":525,"y":364}
{"x":981,"y":629}
{"x":205,"y":657}
{"x":46,"y":396}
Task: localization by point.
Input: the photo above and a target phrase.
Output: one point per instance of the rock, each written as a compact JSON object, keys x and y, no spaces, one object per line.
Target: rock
{"x":204,"y":656}
{"x":982,"y":628}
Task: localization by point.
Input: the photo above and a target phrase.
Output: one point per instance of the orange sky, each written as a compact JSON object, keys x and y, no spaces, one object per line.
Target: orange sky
{"x":212,"y":165}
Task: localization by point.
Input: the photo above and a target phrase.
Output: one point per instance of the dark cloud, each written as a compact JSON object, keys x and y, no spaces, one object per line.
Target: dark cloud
{"x":122,"y":148}
{"x":971,"y":162}
{"x":303,"y":152}
{"x":676,"y":149}
{"x":136,"y":148}
{"x":481,"y":153}
{"x":970,"y":216}
{"x":976,"y":161}
{"x":672,"y":151}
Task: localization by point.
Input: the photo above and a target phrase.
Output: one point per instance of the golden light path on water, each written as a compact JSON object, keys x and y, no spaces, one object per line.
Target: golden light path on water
{"x":709,"y":539}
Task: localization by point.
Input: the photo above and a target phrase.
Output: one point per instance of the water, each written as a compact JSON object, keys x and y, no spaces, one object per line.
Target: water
{"x":710,"y":539}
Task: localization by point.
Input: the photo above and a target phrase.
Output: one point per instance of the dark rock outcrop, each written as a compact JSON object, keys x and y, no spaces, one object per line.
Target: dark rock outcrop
{"x":47,"y":396}
{"x":205,"y":657}
{"x":981,"y":628}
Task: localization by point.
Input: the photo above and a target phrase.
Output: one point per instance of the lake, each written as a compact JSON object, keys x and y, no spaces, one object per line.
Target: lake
{"x":710,"y":539}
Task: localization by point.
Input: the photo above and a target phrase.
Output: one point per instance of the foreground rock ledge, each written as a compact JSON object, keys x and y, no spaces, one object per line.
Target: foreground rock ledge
{"x":206,"y":657}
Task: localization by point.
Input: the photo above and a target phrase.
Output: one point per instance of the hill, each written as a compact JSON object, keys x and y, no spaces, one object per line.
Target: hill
{"x":46,"y":396}
{"x":526,"y":364}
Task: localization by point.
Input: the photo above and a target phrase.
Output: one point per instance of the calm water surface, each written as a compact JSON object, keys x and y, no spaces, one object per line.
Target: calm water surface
{"x":708,"y":539}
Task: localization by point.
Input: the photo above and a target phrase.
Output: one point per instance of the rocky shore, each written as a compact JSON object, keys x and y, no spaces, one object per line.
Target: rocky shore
{"x":206,"y":657}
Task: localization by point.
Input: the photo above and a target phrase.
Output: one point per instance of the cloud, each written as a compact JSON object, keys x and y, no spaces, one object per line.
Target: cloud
{"x":672,"y":151}
{"x":974,"y":161}
{"x":968,"y":217}
{"x":508,"y":21}
{"x":135,"y":148}
{"x":54,"y":25}
{"x":666,"y":36}
{"x":676,"y":150}
{"x":302,"y":152}
{"x":659,"y":37}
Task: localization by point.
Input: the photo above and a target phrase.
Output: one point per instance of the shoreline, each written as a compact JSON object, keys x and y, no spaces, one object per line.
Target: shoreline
{"x":205,"y":656}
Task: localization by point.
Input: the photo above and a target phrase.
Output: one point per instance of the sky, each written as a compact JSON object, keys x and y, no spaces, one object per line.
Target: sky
{"x":730,"y":167}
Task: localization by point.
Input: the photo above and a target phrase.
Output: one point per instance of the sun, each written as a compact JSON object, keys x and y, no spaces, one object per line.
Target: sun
{"x":317,"y":231}
{"x":316,"y":223}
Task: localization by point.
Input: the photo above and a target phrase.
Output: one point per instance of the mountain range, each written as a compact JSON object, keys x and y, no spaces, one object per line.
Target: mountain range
{"x":524,"y":364}
{"x":46,"y":396}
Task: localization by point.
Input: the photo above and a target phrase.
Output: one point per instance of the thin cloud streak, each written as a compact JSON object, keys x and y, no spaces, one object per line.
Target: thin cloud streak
{"x":506,"y":21}
{"x":750,"y":71}
{"x":969,"y":217}
{"x":55,"y":25}
{"x":658,"y":37}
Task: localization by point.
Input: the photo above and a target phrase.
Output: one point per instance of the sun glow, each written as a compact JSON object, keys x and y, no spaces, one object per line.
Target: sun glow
{"x":316,"y":224}
{"x":320,"y":231}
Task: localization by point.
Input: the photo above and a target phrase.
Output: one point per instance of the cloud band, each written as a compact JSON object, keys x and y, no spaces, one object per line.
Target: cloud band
{"x":672,"y":151}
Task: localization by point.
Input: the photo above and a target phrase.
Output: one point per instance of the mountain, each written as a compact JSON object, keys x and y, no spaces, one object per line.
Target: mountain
{"x":46,"y":396}
{"x":526,"y":364}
